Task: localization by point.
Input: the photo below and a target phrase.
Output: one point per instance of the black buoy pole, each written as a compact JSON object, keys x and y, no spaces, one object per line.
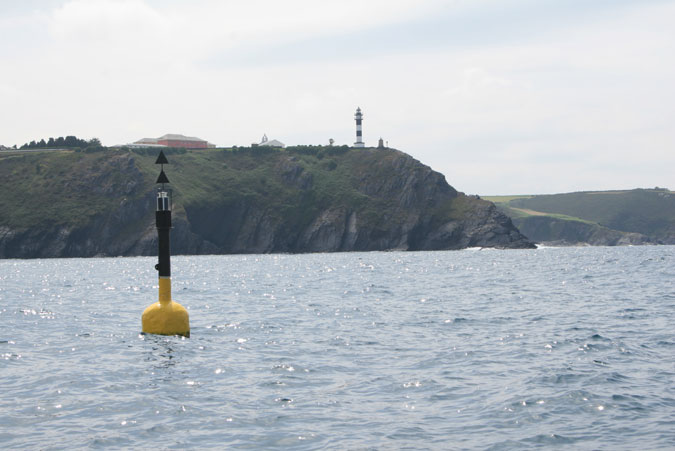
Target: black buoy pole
{"x":165,"y":317}
{"x":163,"y":223}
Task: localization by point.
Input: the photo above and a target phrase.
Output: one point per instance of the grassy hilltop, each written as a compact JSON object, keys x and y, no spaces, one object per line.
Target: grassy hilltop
{"x":639,"y":216}
{"x":299,"y":199}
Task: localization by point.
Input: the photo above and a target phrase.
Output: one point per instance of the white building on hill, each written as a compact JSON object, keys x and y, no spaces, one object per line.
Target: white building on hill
{"x":270,"y":142}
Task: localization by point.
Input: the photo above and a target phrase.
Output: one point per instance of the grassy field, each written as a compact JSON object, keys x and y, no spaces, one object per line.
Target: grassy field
{"x":646,"y":211}
{"x":71,"y":187}
{"x":56,"y":187}
{"x":504,"y":199}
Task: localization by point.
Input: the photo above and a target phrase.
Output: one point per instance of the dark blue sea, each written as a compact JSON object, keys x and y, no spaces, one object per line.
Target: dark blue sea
{"x":569,"y":348}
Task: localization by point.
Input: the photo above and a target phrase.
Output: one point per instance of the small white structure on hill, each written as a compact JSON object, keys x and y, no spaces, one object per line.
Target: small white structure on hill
{"x":270,"y":142}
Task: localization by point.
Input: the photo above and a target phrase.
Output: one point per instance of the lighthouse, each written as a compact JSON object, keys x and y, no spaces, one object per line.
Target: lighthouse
{"x":164,"y":317}
{"x":359,"y":134}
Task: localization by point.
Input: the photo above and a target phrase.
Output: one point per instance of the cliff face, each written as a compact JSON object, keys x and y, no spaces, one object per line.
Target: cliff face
{"x":602,"y":218}
{"x":73,"y":205}
{"x":246,"y":201}
{"x":557,"y":232}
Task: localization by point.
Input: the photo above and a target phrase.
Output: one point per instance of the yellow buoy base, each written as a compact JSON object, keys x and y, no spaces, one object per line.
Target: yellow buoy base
{"x":166,"y":318}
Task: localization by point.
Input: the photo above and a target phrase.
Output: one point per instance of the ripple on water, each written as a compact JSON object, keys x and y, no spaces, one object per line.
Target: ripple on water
{"x":503,"y":349}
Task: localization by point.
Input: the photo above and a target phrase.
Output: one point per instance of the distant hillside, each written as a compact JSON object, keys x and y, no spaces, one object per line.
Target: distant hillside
{"x":639,"y":216}
{"x":254,"y":200}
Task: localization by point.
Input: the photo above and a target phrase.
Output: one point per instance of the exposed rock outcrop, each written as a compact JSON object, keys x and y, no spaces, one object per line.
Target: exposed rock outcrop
{"x":404,"y":205}
{"x":303,"y":200}
{"x":608,"y":218}
{"x":557,"y":232}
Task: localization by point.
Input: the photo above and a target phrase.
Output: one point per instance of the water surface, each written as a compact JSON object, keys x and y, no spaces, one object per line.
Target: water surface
{"x":568,"y":347}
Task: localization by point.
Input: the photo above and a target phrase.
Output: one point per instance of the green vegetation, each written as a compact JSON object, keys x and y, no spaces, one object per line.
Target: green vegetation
{"x":503,"y":199}
{"x":646,"y":211}
{"x":524,"y":213}
{"x":650,"y":212}
{"x":63,"y":187}
{"x":99,"y":201}
{"x":69,"y":142}
{"x":290,"y":191}
{"x":268,"y":178}
{"x":69,"y":187}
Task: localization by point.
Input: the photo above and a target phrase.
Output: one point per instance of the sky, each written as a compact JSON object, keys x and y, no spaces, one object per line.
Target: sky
{"x":501,"y":96}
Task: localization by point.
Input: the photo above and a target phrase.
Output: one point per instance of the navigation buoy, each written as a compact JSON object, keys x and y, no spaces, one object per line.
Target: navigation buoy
{"x":165,"y":317}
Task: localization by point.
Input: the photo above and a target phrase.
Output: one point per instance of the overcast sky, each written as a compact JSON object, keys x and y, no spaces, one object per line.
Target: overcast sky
{"x":501,"y":96}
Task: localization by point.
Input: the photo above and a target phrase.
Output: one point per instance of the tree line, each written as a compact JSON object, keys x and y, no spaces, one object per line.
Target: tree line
{"x":68,"y":142}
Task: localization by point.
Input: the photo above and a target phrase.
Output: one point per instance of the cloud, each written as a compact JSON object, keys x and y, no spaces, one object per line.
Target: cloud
{"x":475,"y":81}
{"x":99,"y":20}
{"x":109,"y":33}
{"x":272,"y":20}
{"x":486,"y":92}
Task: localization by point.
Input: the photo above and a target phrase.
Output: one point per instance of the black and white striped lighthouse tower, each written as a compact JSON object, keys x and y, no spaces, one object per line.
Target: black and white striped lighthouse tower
{"x":359,"y":134}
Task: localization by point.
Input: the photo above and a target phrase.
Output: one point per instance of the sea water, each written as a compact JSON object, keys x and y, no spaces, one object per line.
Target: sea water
{"x":558,"y":347}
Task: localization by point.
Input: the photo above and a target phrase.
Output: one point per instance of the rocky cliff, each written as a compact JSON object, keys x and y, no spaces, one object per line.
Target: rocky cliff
{"x":304,"y":199}
{"x":559,"y":232}
{"x":605,"y":218}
